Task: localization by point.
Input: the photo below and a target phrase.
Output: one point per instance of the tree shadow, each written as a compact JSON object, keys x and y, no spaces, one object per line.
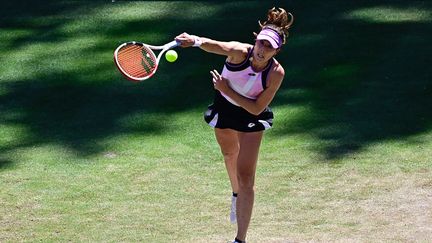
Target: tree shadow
{"x":64,"y":95}
{"x":361,"y":81}
{"x":6,"y":164}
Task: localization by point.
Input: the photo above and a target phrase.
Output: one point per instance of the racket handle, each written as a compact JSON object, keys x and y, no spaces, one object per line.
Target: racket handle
{"x":173,"y":44}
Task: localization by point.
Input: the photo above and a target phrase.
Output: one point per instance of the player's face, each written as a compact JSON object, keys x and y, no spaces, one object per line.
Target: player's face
{"x":263,"y":51}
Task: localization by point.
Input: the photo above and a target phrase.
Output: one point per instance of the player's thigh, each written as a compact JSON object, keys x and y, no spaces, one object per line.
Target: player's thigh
{"x":248,"y":154}
{"x":228,"y":140}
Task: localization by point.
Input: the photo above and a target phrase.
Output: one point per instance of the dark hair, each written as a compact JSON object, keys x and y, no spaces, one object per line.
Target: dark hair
{"x":279,"y":20}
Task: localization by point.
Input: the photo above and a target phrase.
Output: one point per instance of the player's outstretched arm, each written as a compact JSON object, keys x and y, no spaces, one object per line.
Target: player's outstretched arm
{"x":235,"y":51}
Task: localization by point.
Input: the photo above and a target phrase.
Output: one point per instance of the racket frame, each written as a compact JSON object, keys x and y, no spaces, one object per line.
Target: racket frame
{"x":163,"y":49}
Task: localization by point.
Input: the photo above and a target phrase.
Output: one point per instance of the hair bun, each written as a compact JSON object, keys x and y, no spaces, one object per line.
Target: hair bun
{"x":278,"y":19}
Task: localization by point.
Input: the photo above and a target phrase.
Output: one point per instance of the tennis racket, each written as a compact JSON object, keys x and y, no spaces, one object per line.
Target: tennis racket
{"x":137,"y":61}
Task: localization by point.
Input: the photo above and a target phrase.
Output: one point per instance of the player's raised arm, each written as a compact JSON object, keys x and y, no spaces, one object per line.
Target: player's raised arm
{"x":234,"y":50}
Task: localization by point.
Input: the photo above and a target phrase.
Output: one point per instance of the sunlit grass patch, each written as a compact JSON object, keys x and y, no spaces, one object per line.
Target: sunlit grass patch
{"x":386,"y":14}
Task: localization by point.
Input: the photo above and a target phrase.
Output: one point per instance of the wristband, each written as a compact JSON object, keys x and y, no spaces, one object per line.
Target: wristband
{"x":197,"y":41}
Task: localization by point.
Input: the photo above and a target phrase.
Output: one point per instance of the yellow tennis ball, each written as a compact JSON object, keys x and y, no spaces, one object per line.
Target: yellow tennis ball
{"x":171,"y":56}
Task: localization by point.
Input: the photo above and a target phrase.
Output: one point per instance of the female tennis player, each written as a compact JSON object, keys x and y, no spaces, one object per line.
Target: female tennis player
{"x":250,"y":78}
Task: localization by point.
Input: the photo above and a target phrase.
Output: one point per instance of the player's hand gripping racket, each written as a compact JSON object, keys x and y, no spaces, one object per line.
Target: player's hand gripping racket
{"x":137,"y":61}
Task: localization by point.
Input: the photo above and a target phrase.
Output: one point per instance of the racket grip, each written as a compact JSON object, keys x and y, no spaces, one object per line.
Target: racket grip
{"x":173,"y":44}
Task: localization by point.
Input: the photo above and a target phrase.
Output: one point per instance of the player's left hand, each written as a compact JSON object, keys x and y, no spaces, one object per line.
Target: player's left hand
{"x":220,"y":83}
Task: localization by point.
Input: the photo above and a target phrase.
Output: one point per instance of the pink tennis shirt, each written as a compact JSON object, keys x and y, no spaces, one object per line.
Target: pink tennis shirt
{"x":244,"y":80}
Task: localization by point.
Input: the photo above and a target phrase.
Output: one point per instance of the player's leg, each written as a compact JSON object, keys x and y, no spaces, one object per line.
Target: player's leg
{"x":229,"y":145}
{"x":246,"y":168}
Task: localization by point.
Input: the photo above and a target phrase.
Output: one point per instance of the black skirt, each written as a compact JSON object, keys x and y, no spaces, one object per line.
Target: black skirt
{"x":223,"y":114}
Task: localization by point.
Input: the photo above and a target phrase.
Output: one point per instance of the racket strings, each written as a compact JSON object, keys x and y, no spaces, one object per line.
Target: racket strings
{"x":132,"y":61}
{"x":136,"y":60}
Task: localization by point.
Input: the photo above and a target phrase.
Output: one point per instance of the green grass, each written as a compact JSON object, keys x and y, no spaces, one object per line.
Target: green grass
{"x":88,"y":156}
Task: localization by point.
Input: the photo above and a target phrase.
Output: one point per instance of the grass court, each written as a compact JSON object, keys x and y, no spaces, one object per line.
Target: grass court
{"x":86,"y":156}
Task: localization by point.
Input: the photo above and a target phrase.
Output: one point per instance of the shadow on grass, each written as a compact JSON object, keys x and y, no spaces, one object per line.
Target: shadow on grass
{"x":361,"y":80}
{"x":5,"y":164}
{"x":364,"y":78}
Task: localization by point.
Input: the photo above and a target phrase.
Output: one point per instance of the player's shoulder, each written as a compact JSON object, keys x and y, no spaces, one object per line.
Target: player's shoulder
{"x":277,"y":70}
{"x":241,"y":47}
{"x":276,"y":75}
{"x":239,"y":52}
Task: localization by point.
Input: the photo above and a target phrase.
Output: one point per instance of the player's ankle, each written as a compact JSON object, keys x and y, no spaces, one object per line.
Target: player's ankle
{"x":236,"y":240}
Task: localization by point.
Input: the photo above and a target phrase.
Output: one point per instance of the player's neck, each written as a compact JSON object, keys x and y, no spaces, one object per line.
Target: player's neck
{"x":258,"y":67}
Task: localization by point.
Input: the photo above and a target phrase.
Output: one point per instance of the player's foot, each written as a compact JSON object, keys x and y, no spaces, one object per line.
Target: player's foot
{"x":238,"y":241}
{"x":233,"y":213}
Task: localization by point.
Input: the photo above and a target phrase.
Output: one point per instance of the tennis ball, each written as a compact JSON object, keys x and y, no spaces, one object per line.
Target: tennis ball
{"x":171,"y":56}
